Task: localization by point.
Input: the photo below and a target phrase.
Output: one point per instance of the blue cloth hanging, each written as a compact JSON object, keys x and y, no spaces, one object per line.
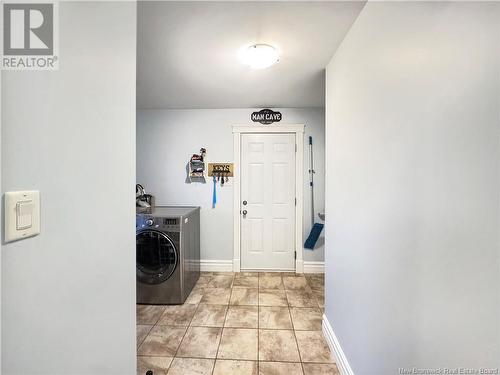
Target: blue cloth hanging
{"x":214,"y":195}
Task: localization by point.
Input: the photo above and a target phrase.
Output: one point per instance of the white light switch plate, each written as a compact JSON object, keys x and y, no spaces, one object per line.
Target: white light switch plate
{"x":22,"y":214}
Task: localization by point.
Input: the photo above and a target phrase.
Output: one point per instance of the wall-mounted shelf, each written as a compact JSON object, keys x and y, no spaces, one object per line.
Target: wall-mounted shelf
{"x":197,"y":167}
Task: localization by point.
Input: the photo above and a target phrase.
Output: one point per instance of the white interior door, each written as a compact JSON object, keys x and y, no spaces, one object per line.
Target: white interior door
{"x":268,"y":201}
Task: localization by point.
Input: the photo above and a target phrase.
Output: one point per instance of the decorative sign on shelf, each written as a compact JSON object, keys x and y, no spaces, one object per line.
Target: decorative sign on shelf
{"x":197,"y":167}
{"x":220,"y":169}
{"x":266,"y":116}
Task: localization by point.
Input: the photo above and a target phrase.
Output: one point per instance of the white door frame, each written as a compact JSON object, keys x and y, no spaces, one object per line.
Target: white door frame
{"x":298,"y":130}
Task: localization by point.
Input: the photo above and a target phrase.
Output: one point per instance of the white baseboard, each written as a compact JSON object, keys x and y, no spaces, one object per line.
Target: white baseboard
{"x":208,"y":265}
{"x":314,"y":267}
{"x":336,"y":349}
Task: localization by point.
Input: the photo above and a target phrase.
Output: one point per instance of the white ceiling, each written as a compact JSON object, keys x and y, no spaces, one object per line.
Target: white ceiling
{"x":187,"y":52}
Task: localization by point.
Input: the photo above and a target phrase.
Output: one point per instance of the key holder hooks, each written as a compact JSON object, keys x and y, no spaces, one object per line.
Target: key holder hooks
{"x":221,"y":171}
{"x":226,"y":169}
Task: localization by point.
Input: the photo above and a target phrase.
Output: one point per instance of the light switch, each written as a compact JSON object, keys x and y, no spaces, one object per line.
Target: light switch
{"x":22,"y":215}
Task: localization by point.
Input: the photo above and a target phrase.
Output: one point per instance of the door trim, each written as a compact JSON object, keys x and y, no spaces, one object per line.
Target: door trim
{"x":298,"y":130}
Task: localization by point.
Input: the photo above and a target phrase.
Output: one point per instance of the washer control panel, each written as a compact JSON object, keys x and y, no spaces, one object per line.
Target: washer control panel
{"x":160,"y":223}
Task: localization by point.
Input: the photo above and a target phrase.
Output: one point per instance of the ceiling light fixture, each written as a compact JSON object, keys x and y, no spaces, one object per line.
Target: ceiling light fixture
{"x":258,"y":56}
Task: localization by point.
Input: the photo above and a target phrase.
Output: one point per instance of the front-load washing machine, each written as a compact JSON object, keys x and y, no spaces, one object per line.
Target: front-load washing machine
{"x":168,"y":253}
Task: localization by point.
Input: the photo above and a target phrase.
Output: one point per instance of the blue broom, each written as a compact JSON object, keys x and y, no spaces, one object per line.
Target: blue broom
{"x":316,"y":227}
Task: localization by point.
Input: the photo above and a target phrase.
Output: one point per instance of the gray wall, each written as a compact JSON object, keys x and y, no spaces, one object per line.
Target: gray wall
{"x":1,"y":208}
{"x":412,"y":135}
{"x":166,"y":139}
{"x":68,"y":295}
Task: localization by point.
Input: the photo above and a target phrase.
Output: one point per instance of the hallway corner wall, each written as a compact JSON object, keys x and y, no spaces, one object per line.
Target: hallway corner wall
{"x":412,"y":187}
{"x":68,"y":294}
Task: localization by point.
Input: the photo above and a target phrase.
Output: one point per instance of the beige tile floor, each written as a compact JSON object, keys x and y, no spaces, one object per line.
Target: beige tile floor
{"x":238,"y":324}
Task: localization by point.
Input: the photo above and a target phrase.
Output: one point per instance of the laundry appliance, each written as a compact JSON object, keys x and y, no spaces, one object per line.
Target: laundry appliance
{"x":168,"y":253}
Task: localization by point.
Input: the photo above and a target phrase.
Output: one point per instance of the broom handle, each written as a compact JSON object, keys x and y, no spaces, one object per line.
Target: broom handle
{"x":311,"y":181}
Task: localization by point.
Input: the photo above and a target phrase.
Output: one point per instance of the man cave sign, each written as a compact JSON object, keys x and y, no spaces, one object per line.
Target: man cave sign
{"x":266,"y":116}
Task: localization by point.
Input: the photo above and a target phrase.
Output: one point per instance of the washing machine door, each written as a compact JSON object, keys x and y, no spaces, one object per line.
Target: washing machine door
{"x":156,"y":256}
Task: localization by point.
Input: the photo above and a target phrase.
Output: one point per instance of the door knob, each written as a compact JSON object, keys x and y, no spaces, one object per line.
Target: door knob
{"x":244,"y":212}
